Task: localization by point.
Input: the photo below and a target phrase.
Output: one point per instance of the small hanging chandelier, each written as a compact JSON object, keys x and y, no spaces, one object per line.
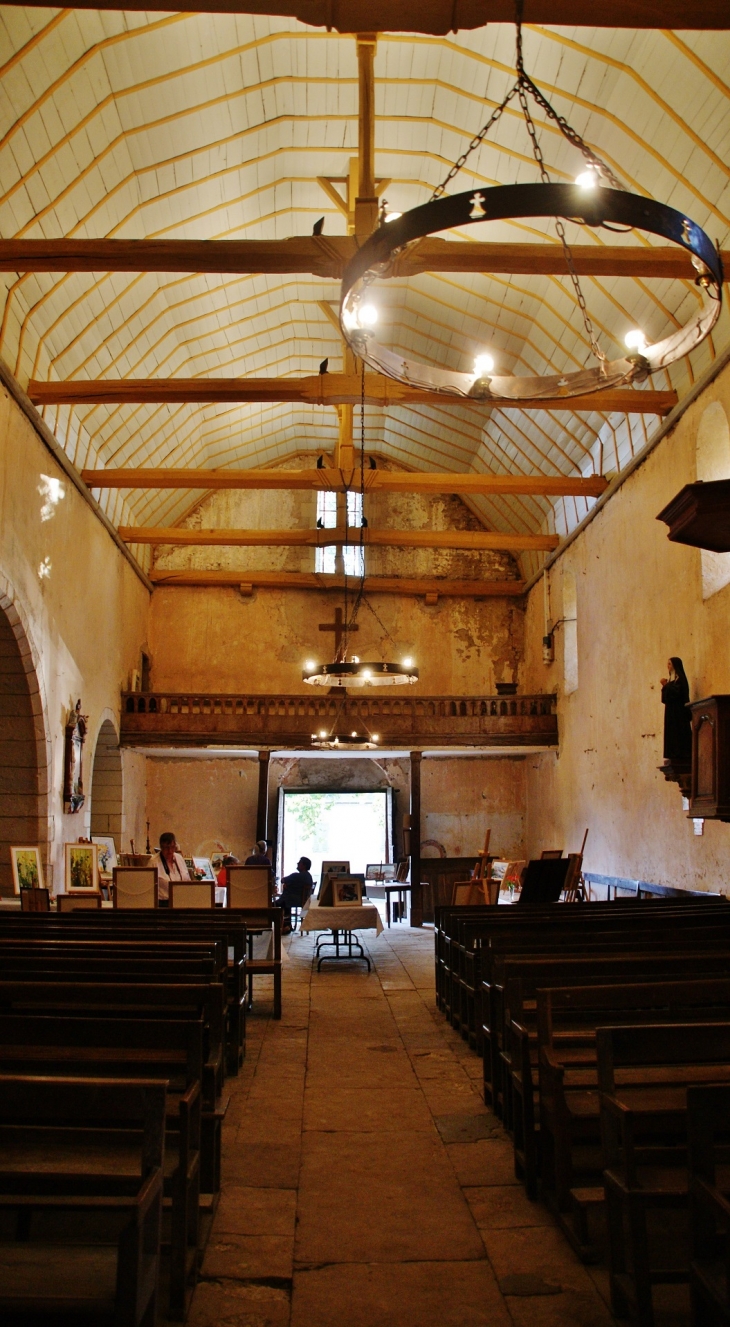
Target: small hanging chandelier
{"x":352,"y":672}
{"x":345,"y":742}
{"x":596,"y":199}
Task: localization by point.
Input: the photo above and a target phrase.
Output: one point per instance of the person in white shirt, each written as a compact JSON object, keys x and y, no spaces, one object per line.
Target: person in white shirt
{"x":170,"y":865}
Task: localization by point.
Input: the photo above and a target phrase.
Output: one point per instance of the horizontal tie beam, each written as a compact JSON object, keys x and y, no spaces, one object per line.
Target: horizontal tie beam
{"x":459,"y":539}
{"x":327,"y":256}
{"x":439,"y":17}
{"x":323,"y":389}
{"x":330,"y":480}
{"x":302,"y":580}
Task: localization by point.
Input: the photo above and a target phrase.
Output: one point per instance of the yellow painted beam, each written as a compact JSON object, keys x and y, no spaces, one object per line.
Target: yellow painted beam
{"x":323,"y":389}
{"x":329,"y":480}
{"x":459,"y":539}
{"x":294,"y":580}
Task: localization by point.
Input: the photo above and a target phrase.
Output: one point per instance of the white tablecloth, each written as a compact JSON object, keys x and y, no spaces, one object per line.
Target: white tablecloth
{"x":359,"y":918}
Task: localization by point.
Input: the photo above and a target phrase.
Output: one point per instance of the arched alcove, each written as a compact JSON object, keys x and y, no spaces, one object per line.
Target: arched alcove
{"x":106,"y":784}
{"x":23,"y":750}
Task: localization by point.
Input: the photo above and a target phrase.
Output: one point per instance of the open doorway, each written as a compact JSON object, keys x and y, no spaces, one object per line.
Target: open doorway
{"x":335,"y":826}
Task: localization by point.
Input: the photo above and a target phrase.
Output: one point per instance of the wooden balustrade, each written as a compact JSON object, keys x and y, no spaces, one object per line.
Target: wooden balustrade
{"x":158,"y":718}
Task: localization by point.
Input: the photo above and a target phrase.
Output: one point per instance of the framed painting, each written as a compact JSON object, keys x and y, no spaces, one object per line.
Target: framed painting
{"x":346,"y":891}
{"x":27,"y":868}
{"x":107,"y":853}
{"x":82,"y":868}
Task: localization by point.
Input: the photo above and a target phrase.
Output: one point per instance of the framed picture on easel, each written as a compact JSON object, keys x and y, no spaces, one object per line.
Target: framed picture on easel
{"x":27,"y":868}
{"x":82,"y":868}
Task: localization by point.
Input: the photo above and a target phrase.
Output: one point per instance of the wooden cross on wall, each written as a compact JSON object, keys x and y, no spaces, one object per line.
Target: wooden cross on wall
{"x":338,"y":626}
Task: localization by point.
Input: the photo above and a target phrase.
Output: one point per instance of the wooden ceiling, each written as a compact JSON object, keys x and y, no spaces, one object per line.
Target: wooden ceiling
{"x":224,"y":128}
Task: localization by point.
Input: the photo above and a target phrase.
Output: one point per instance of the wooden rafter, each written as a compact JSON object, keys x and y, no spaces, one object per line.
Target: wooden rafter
{"x":435,"y":587}
{"x":330,"y":480}
{"x":462,"y":539}
{"x":327,"y":256}
{"x":322,"y":389}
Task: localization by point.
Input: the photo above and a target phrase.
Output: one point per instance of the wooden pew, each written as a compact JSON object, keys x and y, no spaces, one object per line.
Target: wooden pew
{"x":567,"y":1022}
{"x":40,"y":1119}
{"x":643,"y":1076}
{"x":708,"y":1112}
{"x":169,"y":1051}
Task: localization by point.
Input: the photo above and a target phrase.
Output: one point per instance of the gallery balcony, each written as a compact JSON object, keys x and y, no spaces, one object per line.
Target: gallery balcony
{"x":163,"y":718}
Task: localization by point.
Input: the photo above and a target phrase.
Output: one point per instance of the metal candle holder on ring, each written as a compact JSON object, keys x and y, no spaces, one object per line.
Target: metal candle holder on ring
{"x":597,"y":206}
{"x":359,"y":674}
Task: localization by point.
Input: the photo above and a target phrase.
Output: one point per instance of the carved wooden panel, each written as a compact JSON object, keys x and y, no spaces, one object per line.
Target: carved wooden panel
{"x":710,"y":795}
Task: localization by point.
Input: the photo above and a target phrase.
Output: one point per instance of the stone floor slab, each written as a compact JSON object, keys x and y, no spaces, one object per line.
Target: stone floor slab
{"x":421,"y":1294}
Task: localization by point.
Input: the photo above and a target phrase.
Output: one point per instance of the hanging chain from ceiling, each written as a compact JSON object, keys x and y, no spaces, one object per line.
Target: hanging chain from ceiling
{"x":520,"y":89}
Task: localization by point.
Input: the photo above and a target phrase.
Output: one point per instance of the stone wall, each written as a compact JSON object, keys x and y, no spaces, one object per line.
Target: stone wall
{"x":78,"y":612}
{"x":211,"y":803}
{"x":638,"y":599}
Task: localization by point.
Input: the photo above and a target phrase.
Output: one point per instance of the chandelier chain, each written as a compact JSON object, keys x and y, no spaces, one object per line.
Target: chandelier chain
{"x":560,"y":228}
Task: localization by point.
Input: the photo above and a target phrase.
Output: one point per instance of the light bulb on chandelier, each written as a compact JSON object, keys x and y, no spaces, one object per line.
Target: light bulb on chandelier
{"x":635,"y":340}
{"x":483,"y":365}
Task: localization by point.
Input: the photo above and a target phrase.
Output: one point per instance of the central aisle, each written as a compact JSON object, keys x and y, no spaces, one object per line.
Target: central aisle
{"x":364,"y":1183}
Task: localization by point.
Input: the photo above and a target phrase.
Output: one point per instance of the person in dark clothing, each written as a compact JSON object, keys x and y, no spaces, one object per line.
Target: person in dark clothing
{"x":297,"y":888}
{"x":677,"y":718}
{"x":259,"y":856}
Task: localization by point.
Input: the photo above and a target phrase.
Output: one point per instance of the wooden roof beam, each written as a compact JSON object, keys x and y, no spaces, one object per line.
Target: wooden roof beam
{"x":438,"y":17}
{"x":330,"y":480}
{"x":485,"y":540}
{"x":302,"y":580}
{"x":327,"y":255}
{"x":326,"y":389}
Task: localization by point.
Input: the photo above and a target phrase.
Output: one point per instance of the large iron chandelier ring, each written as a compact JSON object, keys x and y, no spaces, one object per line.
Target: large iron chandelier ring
{"x":596,"y":206}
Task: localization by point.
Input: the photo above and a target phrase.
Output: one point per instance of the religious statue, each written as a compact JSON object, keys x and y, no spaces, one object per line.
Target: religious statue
{"x":73,"y":774}
{"x":677,"y":718}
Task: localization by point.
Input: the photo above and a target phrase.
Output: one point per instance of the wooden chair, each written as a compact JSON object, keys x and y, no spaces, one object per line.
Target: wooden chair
{"x":199,"y":894}
{"x":249,"y":886}
{"x":72,"y":902}
{"x":35,"y":900}
{"x":135,"y":887}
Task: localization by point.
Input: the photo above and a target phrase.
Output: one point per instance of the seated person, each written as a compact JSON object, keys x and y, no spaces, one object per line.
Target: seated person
{"x":228,"y":860}
{"x":170,"y":865}
{"x":297,"y":889}
{"x":259,"y":855}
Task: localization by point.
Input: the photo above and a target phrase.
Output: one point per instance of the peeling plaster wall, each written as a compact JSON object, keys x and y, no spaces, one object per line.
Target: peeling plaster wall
{"x":462,"y":798}
{"x":639,"y":600}
{"x":208,"y":804}
{"x":212,"y":803}
{"x":213,"y":640}
{"x":85,"y":620}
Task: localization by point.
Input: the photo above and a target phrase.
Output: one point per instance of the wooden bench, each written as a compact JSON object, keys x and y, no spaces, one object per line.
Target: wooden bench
{"x":115,"y":1274}
{"x":643,"y":1076}
{"x":168,"y":1051}
{"x":568,"y":1020}
{"x":708,"y":1113}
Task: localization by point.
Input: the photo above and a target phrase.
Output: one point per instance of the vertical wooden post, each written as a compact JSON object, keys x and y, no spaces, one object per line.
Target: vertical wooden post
{"x":366,"y":204}
{"x":416,"y":894}
{"x":262,"y":809}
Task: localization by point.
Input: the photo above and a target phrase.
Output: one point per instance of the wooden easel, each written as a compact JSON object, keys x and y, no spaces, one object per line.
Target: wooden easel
{"x":479,"y":880}
{"x":574,"y":885}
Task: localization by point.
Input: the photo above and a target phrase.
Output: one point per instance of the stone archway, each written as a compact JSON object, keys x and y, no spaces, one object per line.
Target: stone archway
{"x":24,"y":765}
{"x":107,"y":785}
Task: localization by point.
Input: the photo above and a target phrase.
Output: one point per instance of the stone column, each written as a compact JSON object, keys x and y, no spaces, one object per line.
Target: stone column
{"x":416,"y":894}
{"x":262,"y":809}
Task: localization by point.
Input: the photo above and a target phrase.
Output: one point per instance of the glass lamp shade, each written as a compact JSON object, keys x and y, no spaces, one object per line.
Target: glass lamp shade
{"x":359,"y":675}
